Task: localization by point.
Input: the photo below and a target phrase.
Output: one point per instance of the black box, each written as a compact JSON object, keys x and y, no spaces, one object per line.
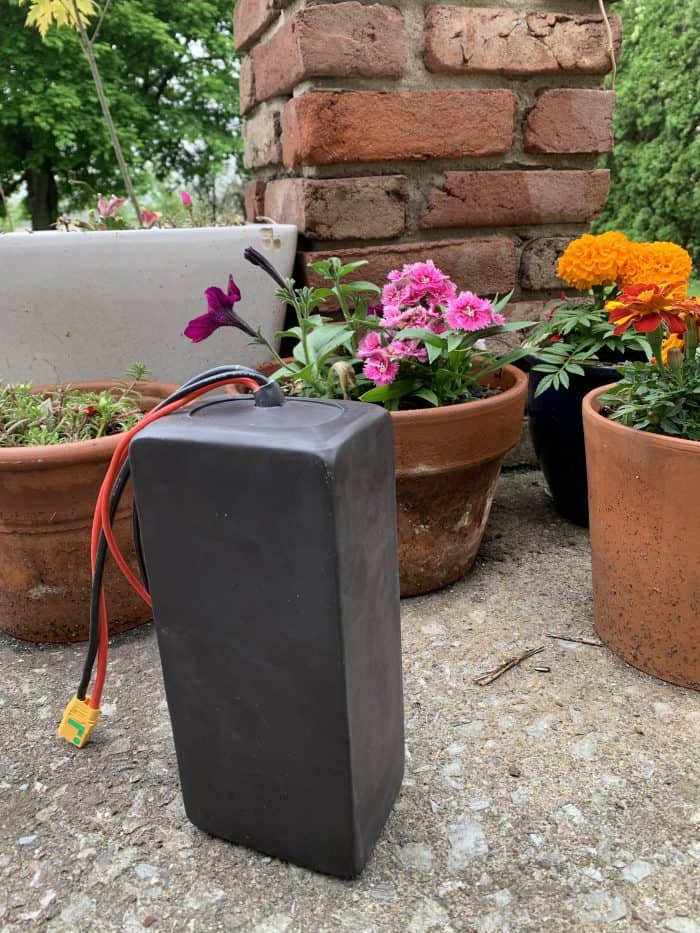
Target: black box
{"x":269,"y":537}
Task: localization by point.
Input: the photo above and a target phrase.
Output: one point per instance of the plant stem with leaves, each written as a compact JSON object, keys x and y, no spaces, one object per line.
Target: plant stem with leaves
{"x":86,"y":44}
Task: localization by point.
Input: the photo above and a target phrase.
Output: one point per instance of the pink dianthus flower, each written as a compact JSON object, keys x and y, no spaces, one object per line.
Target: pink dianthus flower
{"x":418,"y":282}
{"x":370,"y":343}
{"x":380,"y":368}
{"x":407,"y":349}
{"x":469,"y":312}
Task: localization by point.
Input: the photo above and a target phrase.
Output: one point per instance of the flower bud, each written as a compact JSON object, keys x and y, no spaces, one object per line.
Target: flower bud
{"x":186,"y":199}
{"x":346,"y":377}
{"x":675,"y":358}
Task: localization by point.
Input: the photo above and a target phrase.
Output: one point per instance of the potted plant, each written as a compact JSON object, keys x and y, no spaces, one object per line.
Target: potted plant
{"x":55,"y":445}
{"x":418,"y":350}
{"x":576,"y":349}
{"x":643,"y":451}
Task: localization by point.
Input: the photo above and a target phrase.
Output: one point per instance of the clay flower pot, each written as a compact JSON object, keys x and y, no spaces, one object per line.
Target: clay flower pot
{"x":447,"y":465}
{"x":645,"y":544}
{"x":47,"y":499}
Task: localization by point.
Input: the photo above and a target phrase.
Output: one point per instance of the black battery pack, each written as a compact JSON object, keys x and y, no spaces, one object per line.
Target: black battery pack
{"x":269,"y":540}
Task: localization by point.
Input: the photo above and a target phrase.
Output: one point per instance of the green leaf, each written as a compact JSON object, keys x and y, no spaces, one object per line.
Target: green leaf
{"x":427,"y":336}
{"x":395,"y":390}
{"x":500,"y":303}
{"x":302,"y":372}
{"x":434,"y":352}
{"x":294,"y":333}
{"x":351,"y":287}
{"x":351,"y":266}
{"x":328,"y":338}
{"x":428,"y":395}
{"x":299,"y":354}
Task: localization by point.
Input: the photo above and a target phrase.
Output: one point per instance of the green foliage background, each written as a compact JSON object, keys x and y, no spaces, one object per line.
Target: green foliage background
{"x":170,"y":73}
{"x":655,"y":192}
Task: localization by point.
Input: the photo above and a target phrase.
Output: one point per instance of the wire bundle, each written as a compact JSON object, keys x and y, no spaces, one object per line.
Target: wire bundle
{"x":102,"y":538}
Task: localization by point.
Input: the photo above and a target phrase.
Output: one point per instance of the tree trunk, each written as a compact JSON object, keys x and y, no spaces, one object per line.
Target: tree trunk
{"x":42,"y":196}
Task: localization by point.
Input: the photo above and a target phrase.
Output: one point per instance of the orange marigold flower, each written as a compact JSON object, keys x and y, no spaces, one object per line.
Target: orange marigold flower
{"x":646,"y":307}
{"x":689,"y":307}
{"x":656,"y":263}
{"x":594,"y":260}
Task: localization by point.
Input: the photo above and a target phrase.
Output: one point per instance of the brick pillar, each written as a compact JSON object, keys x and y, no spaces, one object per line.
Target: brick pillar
{"x":394,"y":132}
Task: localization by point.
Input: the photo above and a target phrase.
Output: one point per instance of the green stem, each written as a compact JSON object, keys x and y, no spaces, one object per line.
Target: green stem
{"x":315,"y":379}
{"x":341,"y":300}
{"x":302,"y":319}
{"x":656,"y":342}
{"x":266,"y":343}
{"x":690,"y":341}
{"x":87,"y":48}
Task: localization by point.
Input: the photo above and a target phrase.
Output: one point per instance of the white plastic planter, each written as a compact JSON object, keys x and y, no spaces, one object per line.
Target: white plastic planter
{"x":88,"y":305}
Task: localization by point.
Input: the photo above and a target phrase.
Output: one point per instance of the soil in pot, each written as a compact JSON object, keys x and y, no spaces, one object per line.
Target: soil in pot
{"x":556,"y":429}
{"x":47,"y":500}
{"x":645,"y":545}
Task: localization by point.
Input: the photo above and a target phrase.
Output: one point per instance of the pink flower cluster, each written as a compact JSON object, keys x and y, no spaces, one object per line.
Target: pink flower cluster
{"x":419,"y":295}
{"x":382,"y":360}
{"x":108,"y":207}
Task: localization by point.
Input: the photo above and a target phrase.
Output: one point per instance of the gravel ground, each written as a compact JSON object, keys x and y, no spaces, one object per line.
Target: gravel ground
{"x":550,"y":800}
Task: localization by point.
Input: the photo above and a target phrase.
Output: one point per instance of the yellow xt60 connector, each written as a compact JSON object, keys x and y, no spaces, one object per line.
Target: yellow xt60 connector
{"x":79,"y":719}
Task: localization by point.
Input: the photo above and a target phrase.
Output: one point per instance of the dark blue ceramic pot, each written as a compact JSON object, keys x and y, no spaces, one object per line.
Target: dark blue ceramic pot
{"x":556,"y":429}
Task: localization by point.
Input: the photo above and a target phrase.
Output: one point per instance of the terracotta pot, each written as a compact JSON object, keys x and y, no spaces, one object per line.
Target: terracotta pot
{"x":447,"y":465}
{"x":645,"y":543}
{"x":47,"y":499}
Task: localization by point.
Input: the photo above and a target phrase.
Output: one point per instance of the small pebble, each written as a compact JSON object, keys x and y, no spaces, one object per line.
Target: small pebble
{"x":637,"y":871}
{"x":514,"y":771}
{"x":543,"y":669}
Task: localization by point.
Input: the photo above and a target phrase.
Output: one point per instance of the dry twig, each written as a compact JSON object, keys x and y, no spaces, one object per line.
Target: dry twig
{"x":578,"y":641}
{"x":488,"y":677}
{"x":610,"y":49}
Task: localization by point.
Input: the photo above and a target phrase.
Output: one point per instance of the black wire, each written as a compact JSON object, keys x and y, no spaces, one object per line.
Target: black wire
{"x":207,"y":378}
{"x":138,"y":545}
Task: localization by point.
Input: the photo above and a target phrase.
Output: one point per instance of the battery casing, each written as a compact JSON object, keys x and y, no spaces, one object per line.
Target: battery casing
{"x":269,"y":538}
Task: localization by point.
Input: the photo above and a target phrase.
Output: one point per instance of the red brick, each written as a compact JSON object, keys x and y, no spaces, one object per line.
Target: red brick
{"x":504,"y":41}
{"x":340,"y":208}
{"x":516,"y":198}
{"x":484,"y":265}
{"x":337,"y":40}
{"x":327,"y":127}
{"x":261,"y":139}
{"x":252,"y":17}
{"x":254,"y":196}
{"x":246,"y":85}
{"x":570,"y":120}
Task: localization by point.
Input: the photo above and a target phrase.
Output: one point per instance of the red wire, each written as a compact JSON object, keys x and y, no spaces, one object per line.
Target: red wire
{"x":101,"y":521}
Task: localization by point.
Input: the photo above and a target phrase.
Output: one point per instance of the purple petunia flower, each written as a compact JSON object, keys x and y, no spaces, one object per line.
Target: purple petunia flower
{"x":257,"y":259}
{"x":220,"y":313}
